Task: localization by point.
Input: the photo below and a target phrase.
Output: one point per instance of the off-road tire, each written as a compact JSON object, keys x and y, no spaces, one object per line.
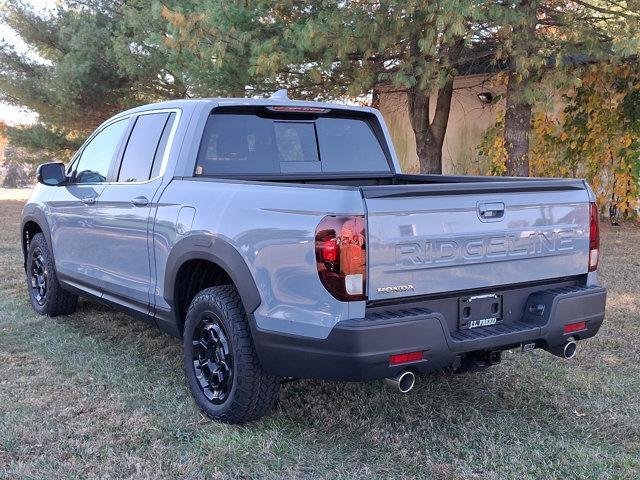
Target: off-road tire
{"x":56,"y":300}
{"x":252,"y":393}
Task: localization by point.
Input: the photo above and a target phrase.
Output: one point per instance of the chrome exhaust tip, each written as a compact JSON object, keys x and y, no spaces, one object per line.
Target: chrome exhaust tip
{"x":569,"y":350}
{"x":403,"y":382}
{"x":566,"y":351}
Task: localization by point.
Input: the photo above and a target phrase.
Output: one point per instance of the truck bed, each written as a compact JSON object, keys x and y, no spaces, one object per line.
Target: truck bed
{"x":428,"y":234}
{"x":456,"y":183}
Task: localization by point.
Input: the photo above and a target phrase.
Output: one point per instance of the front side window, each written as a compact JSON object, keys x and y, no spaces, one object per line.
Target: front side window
{"x":142,"y":147}
{"x":95,"y":160}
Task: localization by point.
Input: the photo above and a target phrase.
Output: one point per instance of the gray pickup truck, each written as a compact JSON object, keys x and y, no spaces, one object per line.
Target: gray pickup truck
{"x":279,"y":239}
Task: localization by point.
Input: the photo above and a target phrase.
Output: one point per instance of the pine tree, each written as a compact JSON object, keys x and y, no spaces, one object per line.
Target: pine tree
{"x":94,"y":58}
{"x":333,"y":48}
{"x":88,"y":60}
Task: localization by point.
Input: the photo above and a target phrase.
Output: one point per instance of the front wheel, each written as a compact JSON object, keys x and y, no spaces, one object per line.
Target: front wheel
{"x":45,"y":292}
{"x":220,"y":361}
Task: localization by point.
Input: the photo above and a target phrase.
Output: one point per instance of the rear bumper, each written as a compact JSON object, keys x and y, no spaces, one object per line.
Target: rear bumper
{"x":357,"y":350}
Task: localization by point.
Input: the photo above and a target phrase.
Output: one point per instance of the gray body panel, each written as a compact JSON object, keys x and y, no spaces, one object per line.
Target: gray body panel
{"x":127,"y":254}
{"x":75,"y":235}
{"x":125,"y":267}
{"x":440,"y":243}
{"x":272,"y":226}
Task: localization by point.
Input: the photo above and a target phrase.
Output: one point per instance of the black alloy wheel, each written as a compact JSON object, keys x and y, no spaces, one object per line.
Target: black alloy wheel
{"x":212,"y":358}
{"x":39,"y":276}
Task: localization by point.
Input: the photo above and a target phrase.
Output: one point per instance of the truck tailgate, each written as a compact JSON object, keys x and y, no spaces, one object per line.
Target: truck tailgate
{"x":429,"y":239}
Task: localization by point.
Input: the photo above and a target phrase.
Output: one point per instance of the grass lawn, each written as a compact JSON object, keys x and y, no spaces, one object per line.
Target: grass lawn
{"x":99,"y":394}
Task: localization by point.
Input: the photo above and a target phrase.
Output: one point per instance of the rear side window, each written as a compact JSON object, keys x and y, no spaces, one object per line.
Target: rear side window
{"x":245,"y":144}
{"x":95,"y":160}
{"x":144,"y":147}
{"x":162,"y":146}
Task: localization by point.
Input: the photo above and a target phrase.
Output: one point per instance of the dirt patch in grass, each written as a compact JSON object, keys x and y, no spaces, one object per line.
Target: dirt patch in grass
{"x":99,"y":394}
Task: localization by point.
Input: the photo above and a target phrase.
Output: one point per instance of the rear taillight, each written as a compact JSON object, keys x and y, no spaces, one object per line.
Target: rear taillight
{"x":341,"y":256}
{"x":594,"y":237}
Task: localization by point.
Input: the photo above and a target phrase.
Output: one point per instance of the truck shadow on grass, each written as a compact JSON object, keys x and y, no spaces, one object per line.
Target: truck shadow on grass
{"x":516,"y":394}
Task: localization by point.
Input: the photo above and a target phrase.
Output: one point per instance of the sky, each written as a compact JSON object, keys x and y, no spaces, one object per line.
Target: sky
{"x":10,"y":114}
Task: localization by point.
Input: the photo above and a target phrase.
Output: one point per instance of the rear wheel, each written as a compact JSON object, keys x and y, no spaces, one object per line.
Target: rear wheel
{"x":220,"y":361}
{"x":46,"y":295}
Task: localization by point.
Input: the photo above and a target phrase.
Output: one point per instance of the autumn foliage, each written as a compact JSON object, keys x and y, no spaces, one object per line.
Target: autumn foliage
{"x":596,"y":136}
{"x":3,"y":139}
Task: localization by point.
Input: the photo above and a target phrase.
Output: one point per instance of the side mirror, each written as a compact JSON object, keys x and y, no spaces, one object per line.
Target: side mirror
{"x":52,"y":174}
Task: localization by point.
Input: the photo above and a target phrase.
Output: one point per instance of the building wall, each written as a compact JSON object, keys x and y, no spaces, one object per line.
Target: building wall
{"x":468,"y":120}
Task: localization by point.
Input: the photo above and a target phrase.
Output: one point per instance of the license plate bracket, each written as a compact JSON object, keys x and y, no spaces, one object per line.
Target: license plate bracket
{"x":479,"y":311}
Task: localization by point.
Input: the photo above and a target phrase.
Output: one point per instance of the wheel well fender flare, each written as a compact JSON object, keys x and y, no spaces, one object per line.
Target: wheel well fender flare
{"x":216,"y":250}
{"x":37,"y":216}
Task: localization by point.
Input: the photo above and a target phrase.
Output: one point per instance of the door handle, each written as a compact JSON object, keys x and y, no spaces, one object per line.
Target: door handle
{"x":89,"y":200}
{"x":140,"y":201}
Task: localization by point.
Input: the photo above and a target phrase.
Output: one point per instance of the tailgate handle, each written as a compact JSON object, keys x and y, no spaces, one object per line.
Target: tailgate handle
{"x":491,"y":211}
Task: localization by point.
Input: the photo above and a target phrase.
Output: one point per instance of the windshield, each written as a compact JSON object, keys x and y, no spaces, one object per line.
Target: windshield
{"x":245,"y":144}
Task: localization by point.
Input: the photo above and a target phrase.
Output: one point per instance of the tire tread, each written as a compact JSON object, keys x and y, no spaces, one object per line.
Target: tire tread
{"x":256,"y":391}
{"x":59,"y":301}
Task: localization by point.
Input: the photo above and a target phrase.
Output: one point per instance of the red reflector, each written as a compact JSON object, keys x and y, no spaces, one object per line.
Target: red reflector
{"x":574,"y":327}
{"x":405,"y":357}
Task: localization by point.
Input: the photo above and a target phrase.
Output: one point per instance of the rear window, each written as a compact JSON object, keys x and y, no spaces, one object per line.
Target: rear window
{"x":246,"y":144}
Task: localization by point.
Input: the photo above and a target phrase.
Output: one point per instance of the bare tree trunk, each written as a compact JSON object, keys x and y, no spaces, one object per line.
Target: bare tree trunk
{"x":517,"y":123}
{"x":429,"y":156}
{"x":375,"y":97}
{"x":430,"y":135}
{"x":517,"y":118}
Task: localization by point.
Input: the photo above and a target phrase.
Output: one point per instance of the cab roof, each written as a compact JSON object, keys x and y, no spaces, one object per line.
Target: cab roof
{"x":242,"y":102}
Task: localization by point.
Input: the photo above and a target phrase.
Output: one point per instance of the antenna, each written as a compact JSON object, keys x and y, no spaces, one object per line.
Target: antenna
{"x":280,"y":95}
